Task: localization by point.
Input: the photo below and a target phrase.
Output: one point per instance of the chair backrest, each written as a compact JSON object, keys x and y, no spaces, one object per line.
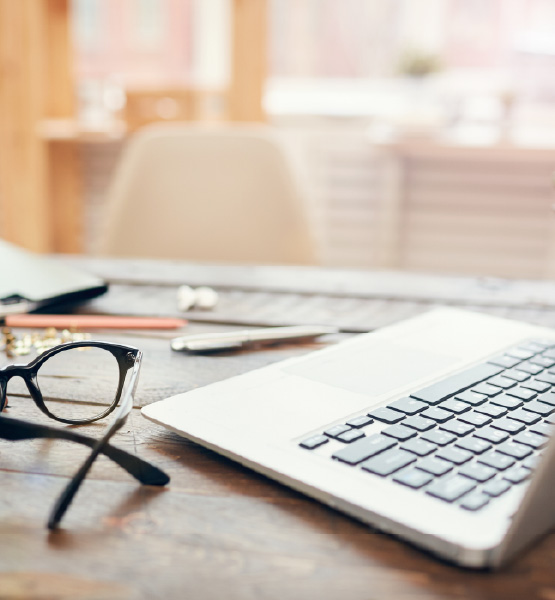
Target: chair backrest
{"x":225,"y":193}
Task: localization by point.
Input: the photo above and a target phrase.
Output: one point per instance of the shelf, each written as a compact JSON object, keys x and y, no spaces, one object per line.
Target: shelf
{"x":71,"y":130}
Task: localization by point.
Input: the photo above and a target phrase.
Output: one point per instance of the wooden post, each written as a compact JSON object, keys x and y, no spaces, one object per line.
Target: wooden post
{"x":64,"y":165}
{"x":249,"y":60}
{"x":39,"y":182}
{"x":24,"y":214}
{"x":59,"y":97}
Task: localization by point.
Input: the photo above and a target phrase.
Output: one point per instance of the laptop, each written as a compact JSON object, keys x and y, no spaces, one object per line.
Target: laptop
{"x":435,"y":429}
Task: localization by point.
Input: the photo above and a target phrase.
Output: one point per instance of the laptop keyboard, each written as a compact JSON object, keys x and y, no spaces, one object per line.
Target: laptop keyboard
{"x":465,"y":440}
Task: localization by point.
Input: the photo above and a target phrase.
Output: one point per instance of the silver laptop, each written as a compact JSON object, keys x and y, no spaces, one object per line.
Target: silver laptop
{"x":435,"y":429}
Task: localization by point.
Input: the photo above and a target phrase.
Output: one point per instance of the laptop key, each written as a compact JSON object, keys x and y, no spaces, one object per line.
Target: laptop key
{"x":364,"y":448}
{"x":454,"y":455}
{"x":517,"y":375}
{"x":543,"y":343}
{"x":495,"y":436}
{"x":540,"y":408}
{"x":314,"y":441}
{"x":491,"y":410}
{"x":360,"y":421}
{"x":530,"y":368}
{"x":388,"y":462}
{"x":435,"y":466}
{"x":413,"y":478}
{"x":496,"y":460}
{"x":496,"y":488}
{"x":455,"y":406}
{"x":542,"y":361}
{"x":419,"y":447}
{"x":386,"y":415}
{"x":350,"y":436}
{"x":471,"y":398}
{"x":336,"y":430}
{"x":486,"y":389}
{"x":518,"y":451}
{"x":524,"y":416}
{"x":399,"y":432}
{"x":451,"y":488}
{"x":480,"y":473}
{"x":474,"y":444}
{"x":536,"y":386}
{"x":548,"y":398}
{"x":522,"y":393}
{"x":441,"y":438}
{"x":542,"y":429}
{"x":516,"y":475}
{"x":475,"y":501}
{"x":531,"y":439}
{"x":409,"y":406}
{"x":450,"y":386}
{"x":476,"y":419}
{"x":437,"y":414}
{"x":531,"y":462}
{"x":546,"y":378}
{"x":508,"y":425}
{"x":506,"y":401}
{"x":505,"y":361}
{"x":535,"y":346}
{"x":521,"y":353}
{"x":502,"y":382}
{"x":457,"y":428}
{"x":419,"y":423}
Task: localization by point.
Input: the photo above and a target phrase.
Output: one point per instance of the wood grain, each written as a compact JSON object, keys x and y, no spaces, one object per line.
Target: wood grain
{"x":23,"y":155}
{"x":219,"y":530}
{"x":40,"y":192}
{"x":248,"y":61}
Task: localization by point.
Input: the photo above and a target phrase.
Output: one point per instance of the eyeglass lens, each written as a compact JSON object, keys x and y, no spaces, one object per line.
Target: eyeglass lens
{"x":88,"y":376}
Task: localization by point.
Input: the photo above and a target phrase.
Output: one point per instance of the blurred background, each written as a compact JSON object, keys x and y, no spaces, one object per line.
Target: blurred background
{"x":422,"y":132}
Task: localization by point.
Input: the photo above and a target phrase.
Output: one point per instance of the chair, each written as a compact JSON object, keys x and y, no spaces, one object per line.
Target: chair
{"x":221,"y":193}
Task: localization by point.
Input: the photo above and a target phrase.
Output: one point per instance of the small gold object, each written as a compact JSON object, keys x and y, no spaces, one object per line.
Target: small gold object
{"x":38,"y":342}
{"x":8,"y":341}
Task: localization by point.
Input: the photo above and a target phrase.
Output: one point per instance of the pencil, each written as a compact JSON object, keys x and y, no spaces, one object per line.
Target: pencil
{"x":92,"y":321}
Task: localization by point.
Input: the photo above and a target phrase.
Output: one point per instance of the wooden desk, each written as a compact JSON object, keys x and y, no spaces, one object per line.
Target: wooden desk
{"x":219,"y":530}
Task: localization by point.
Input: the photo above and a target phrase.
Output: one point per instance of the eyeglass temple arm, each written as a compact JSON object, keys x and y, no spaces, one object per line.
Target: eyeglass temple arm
{"x":143,"y":471}
{"x":69,"y":492}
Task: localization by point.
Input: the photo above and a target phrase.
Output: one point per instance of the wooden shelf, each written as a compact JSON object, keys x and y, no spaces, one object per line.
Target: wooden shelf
{"x":70,"y":130}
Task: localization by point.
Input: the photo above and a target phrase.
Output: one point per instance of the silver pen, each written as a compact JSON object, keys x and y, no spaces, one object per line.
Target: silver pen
{"x":211,"y":342}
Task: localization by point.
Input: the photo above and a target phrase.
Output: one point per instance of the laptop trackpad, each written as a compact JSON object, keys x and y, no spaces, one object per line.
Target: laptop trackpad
{"x":372,"y":370}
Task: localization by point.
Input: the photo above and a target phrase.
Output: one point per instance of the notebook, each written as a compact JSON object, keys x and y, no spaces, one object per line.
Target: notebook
{"x":436,"y":429}
{"x":29,"y":281}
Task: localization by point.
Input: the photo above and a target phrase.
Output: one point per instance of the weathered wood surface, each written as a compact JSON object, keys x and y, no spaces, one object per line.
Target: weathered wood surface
{"x":353,"y":300}
{"x":218,"y":530}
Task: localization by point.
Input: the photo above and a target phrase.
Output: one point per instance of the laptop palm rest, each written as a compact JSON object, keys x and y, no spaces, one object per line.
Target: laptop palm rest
{"x":372,"y":370}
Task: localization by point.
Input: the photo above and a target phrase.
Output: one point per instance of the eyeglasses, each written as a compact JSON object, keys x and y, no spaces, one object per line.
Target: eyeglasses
{"x":109,"y":371}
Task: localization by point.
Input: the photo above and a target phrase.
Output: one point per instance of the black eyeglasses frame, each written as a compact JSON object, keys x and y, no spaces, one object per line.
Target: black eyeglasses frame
{"x":128,"y":358}
{"x":125,"y":356}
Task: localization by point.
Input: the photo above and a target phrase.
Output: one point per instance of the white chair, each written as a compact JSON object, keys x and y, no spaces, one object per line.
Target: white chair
{"x":222,"y":193}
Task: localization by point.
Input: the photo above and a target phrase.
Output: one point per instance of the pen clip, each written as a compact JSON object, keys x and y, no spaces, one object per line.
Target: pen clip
{"x":214,"y":346}
{"x":201,"y":344}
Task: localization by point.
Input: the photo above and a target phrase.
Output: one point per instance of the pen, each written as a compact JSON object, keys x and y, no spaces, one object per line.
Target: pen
{"x":91,"y":321}
{"x":210,"y":342}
